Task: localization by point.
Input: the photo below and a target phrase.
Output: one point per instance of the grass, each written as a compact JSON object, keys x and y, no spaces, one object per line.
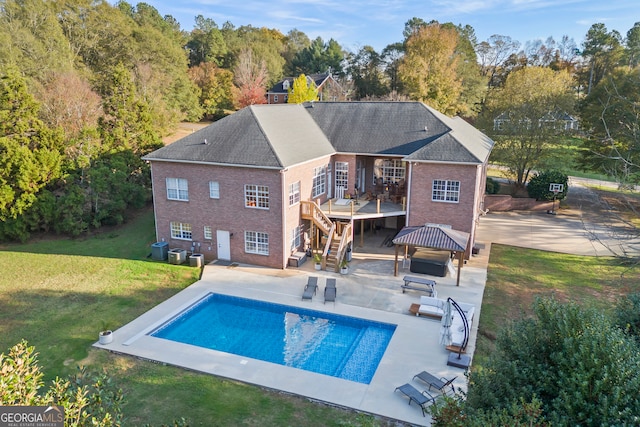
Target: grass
{"x":58,"y":293}
{"x":517,"y":275}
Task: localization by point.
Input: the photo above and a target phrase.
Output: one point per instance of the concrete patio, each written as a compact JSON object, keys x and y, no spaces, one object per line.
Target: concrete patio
{"x":369,"y":291}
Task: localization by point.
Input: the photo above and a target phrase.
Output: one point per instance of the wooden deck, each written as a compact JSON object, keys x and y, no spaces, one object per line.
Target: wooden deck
{"x":361,"y":209}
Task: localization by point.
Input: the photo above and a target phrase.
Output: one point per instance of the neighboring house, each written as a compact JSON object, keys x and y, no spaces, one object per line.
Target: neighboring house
{"x":553,"y":120}
{"x":328,"y":89}
{"x":251,"y":187}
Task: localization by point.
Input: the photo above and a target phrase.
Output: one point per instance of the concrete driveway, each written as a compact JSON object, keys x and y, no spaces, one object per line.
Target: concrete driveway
{"x":583,"y":227}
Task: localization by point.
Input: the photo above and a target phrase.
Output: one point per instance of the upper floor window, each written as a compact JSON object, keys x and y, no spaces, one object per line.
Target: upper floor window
{"x":445,"y":191}
{"x":319,"y":181}
{"x":256,"y":242}
{"x":256,"y":196}
{"x":294,"y":193}
{"x":214,"y":190}
{"x":181,"y":230}
{"x":177,"y":189}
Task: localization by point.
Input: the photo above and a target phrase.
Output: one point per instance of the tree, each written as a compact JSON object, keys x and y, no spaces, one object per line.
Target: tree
{"x":538,"y":186}
{"x":366,"y":70}
{"x":429,"y":69}
{"x":603,"y":51}
{"x":294,"y":43}
{"x":206,"y":43}
{"x":30,"y":152}
{"x":575,"y":361}
{"x":633,"y":46}
{"x":251,"y":78}
{"x":302,"y":90}
{"x":611,"y":114}
{"x":319,"y":57}
{"x":522,"y":117}
{"x":493,"y":55}
{"x":216,"y":86}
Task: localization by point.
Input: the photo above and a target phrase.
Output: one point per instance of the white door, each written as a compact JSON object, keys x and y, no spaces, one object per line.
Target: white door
{"x":224,"y":245}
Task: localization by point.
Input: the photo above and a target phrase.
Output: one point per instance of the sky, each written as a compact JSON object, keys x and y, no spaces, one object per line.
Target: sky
{"x":378,"y":23}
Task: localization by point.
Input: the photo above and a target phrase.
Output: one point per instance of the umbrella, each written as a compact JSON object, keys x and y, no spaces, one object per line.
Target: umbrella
{"x":445,"y":325}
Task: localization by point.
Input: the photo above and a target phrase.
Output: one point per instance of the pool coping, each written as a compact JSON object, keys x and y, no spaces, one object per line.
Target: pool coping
{"x":413,"y":348}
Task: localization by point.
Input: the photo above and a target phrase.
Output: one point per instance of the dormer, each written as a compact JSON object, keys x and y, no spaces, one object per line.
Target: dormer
{"x":285,"y":85}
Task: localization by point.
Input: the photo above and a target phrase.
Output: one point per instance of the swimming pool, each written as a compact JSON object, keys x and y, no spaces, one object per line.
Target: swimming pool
{"x":325,"y":343}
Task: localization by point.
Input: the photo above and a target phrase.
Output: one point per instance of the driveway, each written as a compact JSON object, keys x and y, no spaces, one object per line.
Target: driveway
{"x":583,"y":226}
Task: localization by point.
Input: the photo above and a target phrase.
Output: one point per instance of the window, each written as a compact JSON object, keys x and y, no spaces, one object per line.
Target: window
{"x":214,"y":190}
{"x":177,"y":189}
{"x":392,"y":171}
{"x":275,"y":98}
{"x":294,"y":193}
{"x":342,"y":179}
{"x":256,"y":196}
{"x":256,"y":242}
{"x":445,"y":191}
{"x":181,"y":230}
{"x":208,"y":235}
{"x":296,"y":238}
{"x":319,"y":181}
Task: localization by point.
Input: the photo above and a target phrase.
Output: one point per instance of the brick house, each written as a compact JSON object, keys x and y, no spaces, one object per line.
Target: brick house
{"x":328,"y":89}
{"x":264,"y":182}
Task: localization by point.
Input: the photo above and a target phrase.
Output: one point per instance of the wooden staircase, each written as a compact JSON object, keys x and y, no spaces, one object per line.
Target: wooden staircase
{"x":338,"y":238}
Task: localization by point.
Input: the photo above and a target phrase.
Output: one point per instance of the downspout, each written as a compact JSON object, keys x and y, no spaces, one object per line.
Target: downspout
{"x":283,"y":219}
{"x":410,"y":174}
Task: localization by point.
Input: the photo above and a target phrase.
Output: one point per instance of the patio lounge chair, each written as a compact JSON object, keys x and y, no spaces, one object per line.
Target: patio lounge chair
{"x":330,"y":291}
{"x":310,"y":288}
{"x":440,"y":384}
{"x":414,"y":395}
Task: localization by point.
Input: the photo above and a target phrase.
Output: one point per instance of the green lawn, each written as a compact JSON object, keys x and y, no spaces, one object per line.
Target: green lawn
{"x":57,"y":294}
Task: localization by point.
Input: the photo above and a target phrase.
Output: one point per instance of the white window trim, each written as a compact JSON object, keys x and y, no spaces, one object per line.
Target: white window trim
{"x":181,"y":230}
{"x":253,"y":245}
{"x":255,"y":196}
{"x":294,"y":193}
{"x":208,"y":232}
{"x":447,"y":192}
{"x":319,"y":181}
{"x":296,"y":237}
{"x":181,"y":188}
{"x":214,"y":190}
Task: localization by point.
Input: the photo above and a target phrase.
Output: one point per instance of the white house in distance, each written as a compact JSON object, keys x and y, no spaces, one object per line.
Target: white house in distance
{"x":251,"y":187}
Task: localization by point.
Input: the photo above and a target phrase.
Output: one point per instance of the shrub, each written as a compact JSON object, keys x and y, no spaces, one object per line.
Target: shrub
{"x":492,"y":186}
{"x":538,"y":186}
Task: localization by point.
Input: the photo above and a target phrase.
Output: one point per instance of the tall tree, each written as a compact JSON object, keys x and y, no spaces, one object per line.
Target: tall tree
{"x":611,"y":113}
{"x":429,"y":69}
{"x":302,"y":90}
{"x":319,"y":57}
{"x":366,"y":68}
{"x":251,"y":78}
{"x":521,"y":117}
{"x":30,"y":152}
{"x":603,"y":51}
{"x":294,"y":43}
{"x":633,"y":45}
{"x":206,"y":43}
{"x":493,"y":55}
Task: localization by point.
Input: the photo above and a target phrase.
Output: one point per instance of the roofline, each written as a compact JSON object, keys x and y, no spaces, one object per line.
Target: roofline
{"x":234,"y":165}
{"x":443,"y":162}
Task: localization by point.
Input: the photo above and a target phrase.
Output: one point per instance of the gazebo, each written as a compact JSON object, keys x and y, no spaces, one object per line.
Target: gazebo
{"x":434,"y":237}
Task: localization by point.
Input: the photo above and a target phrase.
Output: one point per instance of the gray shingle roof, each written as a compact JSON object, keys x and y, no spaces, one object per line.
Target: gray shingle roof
{"x":278,"y":136}
{"x":432,"y":237}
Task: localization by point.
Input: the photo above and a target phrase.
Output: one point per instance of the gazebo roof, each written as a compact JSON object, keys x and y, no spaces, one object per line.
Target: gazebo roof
{"x":428,"y":236}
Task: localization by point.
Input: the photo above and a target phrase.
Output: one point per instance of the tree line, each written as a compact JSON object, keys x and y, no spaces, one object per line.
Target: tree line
{"x":87,"y":88}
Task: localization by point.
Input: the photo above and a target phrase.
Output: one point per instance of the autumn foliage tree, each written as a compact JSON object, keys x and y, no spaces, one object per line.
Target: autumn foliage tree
{"x":251,"y":79}
{"x":302,"y":90}
{"x":216,"y":89}
{"x":429,"y":69}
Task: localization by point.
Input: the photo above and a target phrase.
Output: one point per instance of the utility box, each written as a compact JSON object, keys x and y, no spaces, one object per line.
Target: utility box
{"x":159,"y":251}
{"x":177,"y":256}
{"x":196,"y":260}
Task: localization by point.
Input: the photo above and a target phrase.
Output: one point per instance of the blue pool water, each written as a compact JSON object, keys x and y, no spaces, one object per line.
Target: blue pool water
{"x":325,"y":343}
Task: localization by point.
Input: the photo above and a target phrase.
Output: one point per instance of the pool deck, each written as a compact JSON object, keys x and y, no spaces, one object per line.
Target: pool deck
{"x":369,"y":291}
